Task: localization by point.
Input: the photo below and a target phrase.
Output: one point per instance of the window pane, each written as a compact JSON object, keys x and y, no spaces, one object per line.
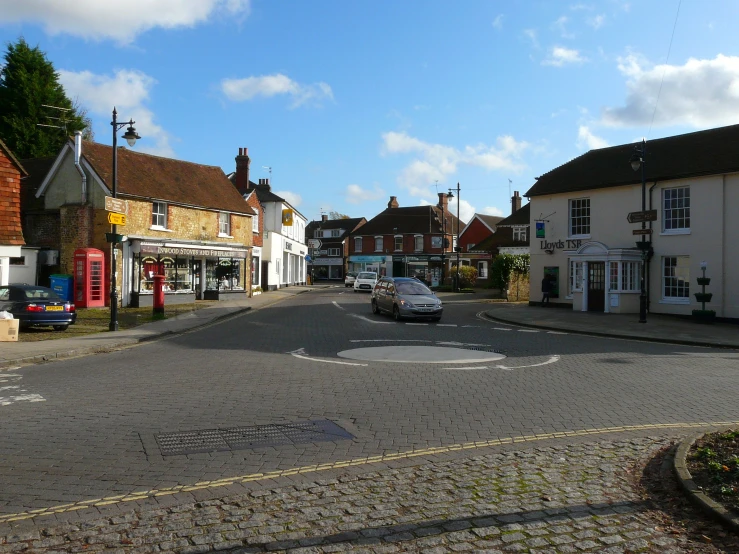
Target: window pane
{"x":676,"y":208}
{"x":580,"y":216}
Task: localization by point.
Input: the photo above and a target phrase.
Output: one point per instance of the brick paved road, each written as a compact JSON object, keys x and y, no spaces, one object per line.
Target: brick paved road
{"x":93,"y":435}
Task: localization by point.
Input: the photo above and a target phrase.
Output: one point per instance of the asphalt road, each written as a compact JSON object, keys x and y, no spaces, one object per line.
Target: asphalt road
{"x":87,"y":427}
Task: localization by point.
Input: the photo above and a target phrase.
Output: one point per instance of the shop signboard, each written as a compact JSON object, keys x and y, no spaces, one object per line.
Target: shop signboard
{"x":191,"y":251}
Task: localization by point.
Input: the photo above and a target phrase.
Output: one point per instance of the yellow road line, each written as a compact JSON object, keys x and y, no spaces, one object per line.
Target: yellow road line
{"x":201,"y":485}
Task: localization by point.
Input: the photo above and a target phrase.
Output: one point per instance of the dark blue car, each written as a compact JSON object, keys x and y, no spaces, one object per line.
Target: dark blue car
{"x":34,"y":305}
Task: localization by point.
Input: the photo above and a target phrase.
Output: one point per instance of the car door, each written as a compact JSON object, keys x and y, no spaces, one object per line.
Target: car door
{"x":388,"y":297}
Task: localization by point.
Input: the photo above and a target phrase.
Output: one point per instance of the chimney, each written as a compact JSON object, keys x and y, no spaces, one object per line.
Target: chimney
{"x":324,"y":217}
{"x":241,"y":177}
{"x":265,"y":182}
{"x":443,"y":202}
{"x":515,"y":202}
{"x":393,"y":202}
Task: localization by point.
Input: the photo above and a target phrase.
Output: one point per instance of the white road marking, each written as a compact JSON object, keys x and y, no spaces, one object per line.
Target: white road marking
{"x":468,"y":326}
{"x":446,"y":324}
{"x":549,"y":361}
{"x":389,"y":340}
{"x":337,"y":305}
{"x":555,"y":333}
{"x":299,"y":353}
{"x":502,"y":329}
{"x":6,"y":392}
{"x":528,"y":330}
{"x":466,"y":368}
{"x":422,"y":324}
{"x":372,"y":320}
{"x":455,"y":343}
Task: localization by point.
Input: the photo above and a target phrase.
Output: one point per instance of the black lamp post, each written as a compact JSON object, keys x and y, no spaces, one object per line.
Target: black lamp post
{"x":456,"y":248}
{"x":637,"y":161}
{"x":443,"y":239}
{"x":130,"y":135}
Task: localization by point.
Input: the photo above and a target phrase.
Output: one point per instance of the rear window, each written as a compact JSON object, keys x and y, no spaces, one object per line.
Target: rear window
{"x":40,"y":294}
{"x":367,"y":275}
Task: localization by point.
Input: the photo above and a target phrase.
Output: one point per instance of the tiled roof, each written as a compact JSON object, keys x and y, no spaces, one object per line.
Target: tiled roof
{"x":176,"y":181}
{"x":522,"y":216}
{"x":12,"y":158}
{"x":411,"y":219}
{"x":490,"y":220}
{"x":348,"y":223}
{"x":37,"y":169}
{"x":701,"y":153}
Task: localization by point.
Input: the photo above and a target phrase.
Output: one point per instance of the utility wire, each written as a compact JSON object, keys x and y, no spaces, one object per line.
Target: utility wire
{"x":669,"y":49}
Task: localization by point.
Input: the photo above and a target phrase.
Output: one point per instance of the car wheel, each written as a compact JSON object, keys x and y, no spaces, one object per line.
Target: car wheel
{"x":61,"y":327}
{"x":396,"y":313}
{"x":375,"y":309}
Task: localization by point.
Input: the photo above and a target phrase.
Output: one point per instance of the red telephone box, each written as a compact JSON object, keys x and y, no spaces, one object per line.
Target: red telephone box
{"x":89,"y":278}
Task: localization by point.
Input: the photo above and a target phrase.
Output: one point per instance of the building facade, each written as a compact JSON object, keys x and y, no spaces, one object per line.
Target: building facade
{"x":11,"y":231}
{"x":182,"y":220}
{"x":584,"y":240}
{"x":328,"y":246}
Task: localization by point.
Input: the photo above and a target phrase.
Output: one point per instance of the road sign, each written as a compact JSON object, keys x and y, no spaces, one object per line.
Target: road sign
{"x":314,"y":243}
{"x":115,"y":205}
{"x":116,"y":219}
{"x":639,"y":217}
{"x":642,"y":232}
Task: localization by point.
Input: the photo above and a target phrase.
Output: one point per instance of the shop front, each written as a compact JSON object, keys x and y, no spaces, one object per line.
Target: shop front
{"x":328,"y":268}
{"x":426,"y":268}
{"x":378,"y":264}
{"x":191,"y":272}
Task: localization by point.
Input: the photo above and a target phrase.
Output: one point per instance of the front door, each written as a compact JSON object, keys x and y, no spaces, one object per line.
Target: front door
{"x":596,"y":286}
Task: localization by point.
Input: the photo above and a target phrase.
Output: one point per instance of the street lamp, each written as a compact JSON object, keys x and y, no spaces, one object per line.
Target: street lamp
{"x":131,"y":136}
{"x":456,"y":248}
{"x":638,"y":161}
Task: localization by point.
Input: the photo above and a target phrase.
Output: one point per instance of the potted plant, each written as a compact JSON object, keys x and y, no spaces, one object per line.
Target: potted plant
{"x":703,"y":315}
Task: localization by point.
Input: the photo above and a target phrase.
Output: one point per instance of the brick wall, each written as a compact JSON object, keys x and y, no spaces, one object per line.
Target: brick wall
{"x":11,"y":233}
{"x":76,"y":225}
{"x":42,"y":229}
{"x":253,"y":202}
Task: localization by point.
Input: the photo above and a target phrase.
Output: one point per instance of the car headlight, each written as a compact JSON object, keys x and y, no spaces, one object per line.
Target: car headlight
{"x":406,"y":304}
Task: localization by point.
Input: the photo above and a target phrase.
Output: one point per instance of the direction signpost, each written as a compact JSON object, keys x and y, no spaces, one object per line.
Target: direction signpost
{"x":641,"y":231}
{"x":640,"y":217}
{"x":115,"y":205}
{"x":116,"y":219}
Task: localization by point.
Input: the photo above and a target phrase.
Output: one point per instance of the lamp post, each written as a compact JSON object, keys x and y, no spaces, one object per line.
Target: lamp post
{"x":130,"y":135}
{"x":456,"y":248}
{"x":443,"y":239}
{"x":638,"y":161}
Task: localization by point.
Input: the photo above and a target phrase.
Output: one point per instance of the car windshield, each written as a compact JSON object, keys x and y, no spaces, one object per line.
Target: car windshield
{"x":410,"y":287}
{"x":367,"y":275}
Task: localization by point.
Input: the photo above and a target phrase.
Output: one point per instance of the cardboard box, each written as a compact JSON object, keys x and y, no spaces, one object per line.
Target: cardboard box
{"x":9,"y":330}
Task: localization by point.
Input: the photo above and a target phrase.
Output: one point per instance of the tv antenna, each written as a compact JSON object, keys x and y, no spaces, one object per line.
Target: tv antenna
{"x":62,"y":119}
{"x":268,"y":168}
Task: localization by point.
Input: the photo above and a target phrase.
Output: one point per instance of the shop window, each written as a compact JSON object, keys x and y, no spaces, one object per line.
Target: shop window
{"x":519,"y":234}
{"x":625,"y":276}
{"x":676,"y":210}
{"x":676,"y":278}
{"x":398,"y":242}
{"x":357,"y":244}
{"x":159,"y":215}
{"x":575,"y":277}
{"x":580,"y":217}
{"x":224,"y":224}
{"x":378,"y":244}
{"x":418,"y":243}
{"x":482,"y":270}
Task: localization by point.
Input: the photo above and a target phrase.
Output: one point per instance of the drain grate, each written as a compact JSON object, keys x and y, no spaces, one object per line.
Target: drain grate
{"x":258,"y":436}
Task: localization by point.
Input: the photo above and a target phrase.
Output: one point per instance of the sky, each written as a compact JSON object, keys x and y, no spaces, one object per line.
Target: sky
{"x":344,"y":104}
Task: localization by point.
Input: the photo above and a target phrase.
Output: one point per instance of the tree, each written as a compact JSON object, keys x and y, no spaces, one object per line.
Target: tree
{"x":337,"y":215}
{"x":504,"y":265}
{"x":28,"y":82}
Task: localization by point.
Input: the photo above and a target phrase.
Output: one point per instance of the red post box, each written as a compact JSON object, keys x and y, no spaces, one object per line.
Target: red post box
{"x":89,"y":278}
{"x":158,"y":294}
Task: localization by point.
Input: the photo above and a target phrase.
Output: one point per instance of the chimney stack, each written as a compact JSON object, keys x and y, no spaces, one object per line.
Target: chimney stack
{"x":443,"y":202}
{"x":324,"y":217}
{"x":265,"y":181}
{"x":241,"y":177}
{"x":515,"y":202}
{"x":393,"y":202}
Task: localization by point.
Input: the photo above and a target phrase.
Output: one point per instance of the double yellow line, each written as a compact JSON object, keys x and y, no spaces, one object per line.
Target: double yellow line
{"x":142,"y":495}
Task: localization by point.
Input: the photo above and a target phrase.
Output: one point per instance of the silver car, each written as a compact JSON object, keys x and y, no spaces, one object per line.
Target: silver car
{"x":405,"y":297}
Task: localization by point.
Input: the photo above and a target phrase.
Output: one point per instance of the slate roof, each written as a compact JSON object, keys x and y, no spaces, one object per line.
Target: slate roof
{"x":503,"y":236}
{"x":349,"y":224}
{"x":37,"y":169}
{"x":490,"y":220}
{"x":522,"y":216}
{"x":408,"y":220}
{"x":264,"y":192}
{"x":146,"y":176}
{"x":690,"y":155}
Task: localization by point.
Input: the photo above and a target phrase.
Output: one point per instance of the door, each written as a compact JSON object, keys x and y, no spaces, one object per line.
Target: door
{"x":265,"y":276}
{"x":596,"y":286}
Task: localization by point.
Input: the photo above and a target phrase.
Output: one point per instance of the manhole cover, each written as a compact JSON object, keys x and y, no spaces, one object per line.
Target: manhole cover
{"x":424,"y":354}
{"x":257,"y":436}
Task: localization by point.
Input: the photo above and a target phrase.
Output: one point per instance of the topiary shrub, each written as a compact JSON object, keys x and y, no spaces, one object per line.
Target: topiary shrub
{"x":467,"y":275}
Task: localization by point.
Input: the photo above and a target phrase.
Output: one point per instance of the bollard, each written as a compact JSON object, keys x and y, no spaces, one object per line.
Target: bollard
{"x":158,"y":294}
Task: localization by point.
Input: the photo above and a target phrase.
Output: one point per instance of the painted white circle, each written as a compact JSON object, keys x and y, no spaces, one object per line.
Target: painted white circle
{"x":415,"y":354}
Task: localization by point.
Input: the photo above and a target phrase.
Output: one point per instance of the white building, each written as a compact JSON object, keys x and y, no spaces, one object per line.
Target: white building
{"x":581,"y":235}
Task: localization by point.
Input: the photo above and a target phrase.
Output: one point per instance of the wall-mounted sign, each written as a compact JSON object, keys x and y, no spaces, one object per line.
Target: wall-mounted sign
{"x":190,"y":251}
{"x":287,"y":217}
{"x":569,"y":244}
{"x":540,"y":234}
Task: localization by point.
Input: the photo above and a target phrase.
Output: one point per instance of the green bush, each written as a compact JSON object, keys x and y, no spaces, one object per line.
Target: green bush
{"x":467,"y":275}
{"x":506,"y":264}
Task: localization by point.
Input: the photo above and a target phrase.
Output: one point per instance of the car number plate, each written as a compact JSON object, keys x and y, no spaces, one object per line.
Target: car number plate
{"x":54,"y":308}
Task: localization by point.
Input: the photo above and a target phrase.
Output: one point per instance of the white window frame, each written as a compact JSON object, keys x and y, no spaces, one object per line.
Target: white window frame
{"x":224,"y":224}
{"x":683,"y":290}
{"x":627,"y":275}
{"x":357,"y":244}
{"x":157,"y":216}
{"x":255,"y":223}
{"x":575,"y":281}
{"x":482,"y":269}
{"x":676,"y":210}
{"x":395,"y":243}
{"x":380,"y":243}
{"x":317,"y":234}
{"x":335,"y":233}
{"x":416,"y":246}
{"x":580,"y":221}
{"x":520,"y":234}
{"x":334,"y":251}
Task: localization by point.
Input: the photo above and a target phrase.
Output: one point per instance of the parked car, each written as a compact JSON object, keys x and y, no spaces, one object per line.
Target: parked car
{"x":349,"y":279}
{"x":365,"y":281}
{"x":405,"y":297}
{"x":33,"y":305}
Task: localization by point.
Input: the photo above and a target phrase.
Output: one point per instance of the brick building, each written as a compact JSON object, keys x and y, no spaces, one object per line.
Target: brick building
{"x":328,"y":245}
{"x":247,"y":189}
{"x":406,"y":241}
{"x":183,"y":220}
{"x":11,"y":232}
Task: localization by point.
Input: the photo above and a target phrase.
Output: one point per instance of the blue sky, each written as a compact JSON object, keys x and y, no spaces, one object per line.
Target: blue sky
{"x":351,"y":102}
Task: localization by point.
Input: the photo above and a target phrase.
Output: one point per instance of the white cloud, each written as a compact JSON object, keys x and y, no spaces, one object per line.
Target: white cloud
{"x":596,"y":22}
{"x":498,"y":21}
{"x":492,"y":210}
{"x":561,"y":27}
{"x":560,"y":56}
{"x":436,"y":162}
{"x":466,"y":210}
{"x":294,"y":199}
{"x":120,"y":20}
{"x":356,"y":194}
{"x":700,"y":93}
{"x":531,"y":35}
{"x":586,"y":140}
{"x":128,"y":91}
{"x":240,"y":90}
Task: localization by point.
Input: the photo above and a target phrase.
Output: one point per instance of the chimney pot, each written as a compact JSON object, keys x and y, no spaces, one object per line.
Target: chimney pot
{"x":324,"y":217}
{"x":515,"y":202}
{"x":393,"y":202}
